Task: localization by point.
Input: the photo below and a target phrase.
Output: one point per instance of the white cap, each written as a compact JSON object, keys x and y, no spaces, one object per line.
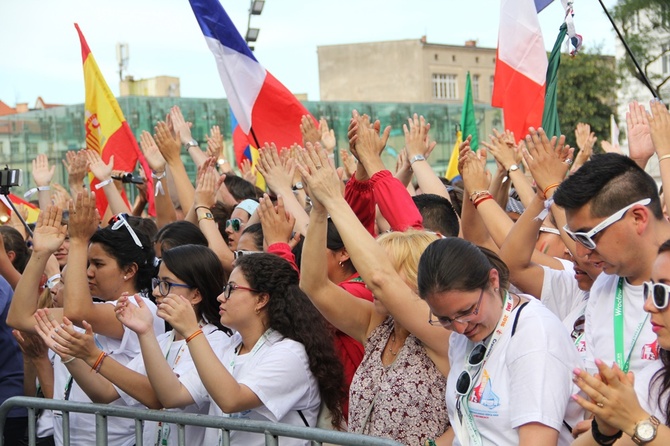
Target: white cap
{"x":248,"y":205}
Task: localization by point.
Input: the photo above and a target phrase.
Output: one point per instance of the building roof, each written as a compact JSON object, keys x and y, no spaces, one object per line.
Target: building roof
{"x":6,"y":109}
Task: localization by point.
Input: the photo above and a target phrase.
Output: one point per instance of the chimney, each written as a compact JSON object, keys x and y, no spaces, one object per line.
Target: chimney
{"x":423,"y":39}
{"x":471,"y":43}
{"x":22,"y":107}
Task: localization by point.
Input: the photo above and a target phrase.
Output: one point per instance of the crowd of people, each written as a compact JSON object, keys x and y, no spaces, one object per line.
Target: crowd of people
{"x":520,"y":307}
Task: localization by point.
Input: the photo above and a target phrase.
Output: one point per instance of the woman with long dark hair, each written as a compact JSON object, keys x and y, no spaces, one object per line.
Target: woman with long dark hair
{"x":279,"y":366}
{"x":639,"y":407}
{"x":191,"y":271}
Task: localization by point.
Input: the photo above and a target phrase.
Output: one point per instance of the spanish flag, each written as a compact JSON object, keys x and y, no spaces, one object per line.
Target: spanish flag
{"x":107,"y":131}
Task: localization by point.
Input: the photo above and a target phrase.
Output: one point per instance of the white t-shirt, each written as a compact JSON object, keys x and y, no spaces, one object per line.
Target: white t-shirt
{"x":562,"y":296}
{"x":120,"y":431}
{"x":179,"y":358}
{"x":45,"y":422}
{"x":278,"y":373}
{"x":648,"y":397}
{"x":527,"y":378}
{"x":599,"y":329}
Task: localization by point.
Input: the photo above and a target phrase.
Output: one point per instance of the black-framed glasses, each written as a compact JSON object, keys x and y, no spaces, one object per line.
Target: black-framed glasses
{"x":230,"y":287}
{"x":164,"y":286}
{"x":235,"y":223}
{"x":466,"y":380}
{"x":586,"y":238}
{"x":578,"y":327}
{"x":465,"y":318}
{"x":120,"y":220}
{"x":660,"y":293}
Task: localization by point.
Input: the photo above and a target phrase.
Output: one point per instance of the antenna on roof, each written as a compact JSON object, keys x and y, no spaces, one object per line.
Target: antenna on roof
{"x":122,"y":56}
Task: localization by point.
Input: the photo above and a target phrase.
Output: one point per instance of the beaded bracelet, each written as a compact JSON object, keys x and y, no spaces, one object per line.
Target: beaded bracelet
{"x":98,"y":362}
{"x":481,"y":200}
{"x":476,"y":194}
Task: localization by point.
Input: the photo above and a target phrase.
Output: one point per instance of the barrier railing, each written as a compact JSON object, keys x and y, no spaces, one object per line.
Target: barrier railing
{"x":272,"y":431}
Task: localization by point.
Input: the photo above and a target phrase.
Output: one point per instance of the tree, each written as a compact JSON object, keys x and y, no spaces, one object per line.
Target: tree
{"x":587,"y":86}
{"x":643,"y":24}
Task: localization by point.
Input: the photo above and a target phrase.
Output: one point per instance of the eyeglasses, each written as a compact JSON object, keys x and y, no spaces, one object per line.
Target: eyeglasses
{"x":236,"y":224}
{"x":164,"y":286}
{"x":120,"y":220}
{"x":466,"y":380}
{"x":230,"y":287}
{"x":462,"y":319}
{"x":659,"y":291}
{"x":586,"y":238}
{"x":578,"y":327}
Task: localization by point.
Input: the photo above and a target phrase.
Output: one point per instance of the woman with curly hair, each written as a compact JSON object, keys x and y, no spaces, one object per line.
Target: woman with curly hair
{"x":280,"y":365}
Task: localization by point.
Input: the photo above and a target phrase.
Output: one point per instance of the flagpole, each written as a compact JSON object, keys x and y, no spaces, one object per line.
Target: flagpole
{"x":251,"y":130}
{"x":645,"y":80}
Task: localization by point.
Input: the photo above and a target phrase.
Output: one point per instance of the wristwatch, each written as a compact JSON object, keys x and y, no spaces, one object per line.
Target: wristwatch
{"x":645,"y":430}
{"x":298,"y":186}
{"x":416,"y":158}
{"x":512,"y":168}
{"x":191,"y":143}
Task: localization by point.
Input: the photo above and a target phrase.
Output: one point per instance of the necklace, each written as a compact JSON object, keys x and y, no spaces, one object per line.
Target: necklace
{"x":392,"y":344}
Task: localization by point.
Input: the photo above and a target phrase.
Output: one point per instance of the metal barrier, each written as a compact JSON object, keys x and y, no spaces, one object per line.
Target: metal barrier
{"x":272,"y":431}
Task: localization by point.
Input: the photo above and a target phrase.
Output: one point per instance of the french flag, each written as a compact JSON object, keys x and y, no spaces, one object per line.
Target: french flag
{"x":521,"y":66}
{"x":265,"y":110}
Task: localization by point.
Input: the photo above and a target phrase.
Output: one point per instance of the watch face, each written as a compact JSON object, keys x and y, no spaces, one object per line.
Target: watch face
{"x":645,"y":431}
{"x":513,"y":167}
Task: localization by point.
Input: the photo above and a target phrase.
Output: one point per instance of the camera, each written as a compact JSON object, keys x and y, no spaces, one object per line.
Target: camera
{"x":10,"y":177}
{"x":127,"y":177}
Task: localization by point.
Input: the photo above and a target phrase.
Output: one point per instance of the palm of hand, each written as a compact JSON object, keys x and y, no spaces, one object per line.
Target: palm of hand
{"x":47,"y":239}
{"x":138,"y":319}
{"x":640,"y":142}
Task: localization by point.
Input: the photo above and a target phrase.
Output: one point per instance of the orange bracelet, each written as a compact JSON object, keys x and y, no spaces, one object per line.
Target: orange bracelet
{"x":98,"y":362}
{"x":197,"y":332}
{"x":481,"y":200}
{"x":550,"y":187}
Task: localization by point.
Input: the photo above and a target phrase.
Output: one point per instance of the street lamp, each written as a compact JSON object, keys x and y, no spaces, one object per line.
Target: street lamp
{"x":257,"y":7}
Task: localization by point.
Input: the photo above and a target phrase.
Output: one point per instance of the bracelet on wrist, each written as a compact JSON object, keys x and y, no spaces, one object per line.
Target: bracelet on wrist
{"x":481,"y":200}
{"x":601,"y":439}
{"x":98,"y":362}
{"x":202,"y":207}
{"x":67,"y":361}
{"x":550,"y":187}
{"x":158,"y":176}
{"x":102,"y":184}
{"x":478,"y":193}
{"x":36,"y":189}
{"x":664,"y":157}
{"x":196,"y":333}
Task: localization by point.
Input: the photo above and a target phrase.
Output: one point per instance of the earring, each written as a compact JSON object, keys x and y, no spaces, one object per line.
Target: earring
{"x":125,"y":277}
{"x":341,"y":265}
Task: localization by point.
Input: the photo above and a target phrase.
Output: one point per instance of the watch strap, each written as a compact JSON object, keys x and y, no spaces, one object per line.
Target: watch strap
{"x":416,"y":158}
{"x":603,"y":440}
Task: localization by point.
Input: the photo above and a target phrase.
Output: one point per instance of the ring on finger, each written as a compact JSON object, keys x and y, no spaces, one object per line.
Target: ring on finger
{"x":568,"y":161}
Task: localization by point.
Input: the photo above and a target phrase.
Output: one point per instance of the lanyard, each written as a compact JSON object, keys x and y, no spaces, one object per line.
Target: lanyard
{"x":619,"y":329}
{"x":466,"y":428}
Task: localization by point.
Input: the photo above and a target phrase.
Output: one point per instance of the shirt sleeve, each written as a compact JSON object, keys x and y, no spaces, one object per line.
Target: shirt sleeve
{"x":395,"y":202}
{"x":359,"y":196}
{"x":283,"y":250}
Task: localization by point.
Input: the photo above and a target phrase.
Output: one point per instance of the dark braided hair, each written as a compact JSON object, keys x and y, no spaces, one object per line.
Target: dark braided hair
{"x":291,"y":313}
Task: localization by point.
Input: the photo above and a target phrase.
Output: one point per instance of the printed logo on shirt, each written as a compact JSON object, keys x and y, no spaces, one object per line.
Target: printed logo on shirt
{"x":581,"y":346}
{"x":650,"y":351}
{"x":483,"y":394}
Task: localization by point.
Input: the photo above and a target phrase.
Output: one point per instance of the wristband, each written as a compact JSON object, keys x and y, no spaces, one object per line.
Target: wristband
{"x":202,"y":206}
{"x":35,"y":189}
{"x":603,"y":440}
{"x":158,"y":176}
{"x":190,"y":338}
{"x":476,"y":194}
{"x":664,"y":157}
{"x":102,"y":184}
{"x":67,"y":361}
{"x":481,"y":200}
{"x":548,"y":188}
{"x":98,"y":362}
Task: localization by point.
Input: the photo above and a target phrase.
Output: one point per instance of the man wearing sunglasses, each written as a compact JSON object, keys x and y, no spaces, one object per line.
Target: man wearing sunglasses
{"x":614,"y":215}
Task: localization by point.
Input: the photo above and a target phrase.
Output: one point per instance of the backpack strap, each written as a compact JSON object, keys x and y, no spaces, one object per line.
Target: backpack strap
{"x":516,"y":318}
{"x":304,"y":420}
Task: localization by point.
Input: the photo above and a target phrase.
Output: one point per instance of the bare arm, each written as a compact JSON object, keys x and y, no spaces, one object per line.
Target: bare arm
{"x":170,"y":147}
{"x":535,"y":433}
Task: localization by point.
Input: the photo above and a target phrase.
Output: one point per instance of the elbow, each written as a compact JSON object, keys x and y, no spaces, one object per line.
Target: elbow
{"x":377,"y":281}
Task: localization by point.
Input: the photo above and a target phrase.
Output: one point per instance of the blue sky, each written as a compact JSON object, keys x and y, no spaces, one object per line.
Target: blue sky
{"x":41,"y":55}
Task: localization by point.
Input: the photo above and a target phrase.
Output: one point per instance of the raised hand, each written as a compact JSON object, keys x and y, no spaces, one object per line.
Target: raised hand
{"x":502,"y":148}
{"x":609,"y":148}
{"x":463,"y":150}
{"x":60,"y":196}
{"x":179,"y":313}
{"x":215,"y":144}
{"x":349,"y":163}
{"x":640,"y":144}
{"x":309,"y":130}
{"x":84,"y":217}
{"x":76,"y":165}
{"x":47,"y":327}
{"x":205,"y":191}
{"x":586,"y":140}
{"x":42,"y":172}
{"x":74,"y":343}
{"x":416,"y":137}
{"x":475,"y":176}
{"x":248,"y":171}
{"x":659,"y":126}
{"x":100,"y":170}
{"x":181,"y":127}
{"x":49,"y":234}
{"x":276,"y":221}
{"x":327,"y":136}
{"x":321,"y":178}
{"x":548,"y":160}
{"x":136,"y":317}
{"x":152,"y":153}
{"x":168,"y":144}
{"x":278,"y":175}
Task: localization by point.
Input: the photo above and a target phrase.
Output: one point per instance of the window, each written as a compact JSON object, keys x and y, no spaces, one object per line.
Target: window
{"x":665,"y":58}
{"x":491,"y":85}
{"x":444,"y":86}
{"x":475,"y":87}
